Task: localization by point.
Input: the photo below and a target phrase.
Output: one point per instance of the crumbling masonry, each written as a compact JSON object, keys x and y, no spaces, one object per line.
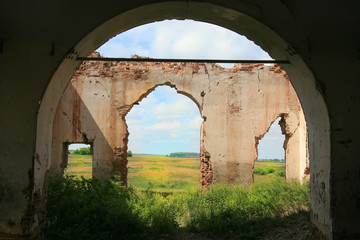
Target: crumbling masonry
{"x":238,"y":106}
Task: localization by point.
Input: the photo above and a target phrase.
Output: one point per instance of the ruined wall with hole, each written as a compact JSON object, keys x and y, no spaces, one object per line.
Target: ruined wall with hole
{"x":238,"y":106}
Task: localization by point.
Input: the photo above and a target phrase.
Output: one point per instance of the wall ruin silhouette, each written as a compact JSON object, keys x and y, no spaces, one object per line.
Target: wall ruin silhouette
{"x":238,"y":106}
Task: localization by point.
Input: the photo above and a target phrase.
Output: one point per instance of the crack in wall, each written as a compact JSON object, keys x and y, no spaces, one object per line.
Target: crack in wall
{"x":202,"y":94}
{"x":72,"y":123}
{"x":209,"y":80}
{"x":106,"y":90}
{"x":190,"y":82}
{"x":109,"y":96}
{"x":258,"y":77}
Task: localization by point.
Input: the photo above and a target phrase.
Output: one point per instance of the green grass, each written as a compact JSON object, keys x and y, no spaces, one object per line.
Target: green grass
{"x":265,"y":171}
{"x":92,"y":209}
{"x":163,"y":174}
{"x":85,"y":208}
{"x":79,"y":165}
{"x":166,"y":174}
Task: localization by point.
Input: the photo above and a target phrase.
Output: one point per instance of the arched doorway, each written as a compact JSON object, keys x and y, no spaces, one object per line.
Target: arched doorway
{"x":301,"y":77}
{"x":164,"y":137}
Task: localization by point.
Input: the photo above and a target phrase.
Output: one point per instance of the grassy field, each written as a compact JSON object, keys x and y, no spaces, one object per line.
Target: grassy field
{"x":266,"y":171}
{"x":79,"y":165}
{"x":163,"y":174}
{"x":167,"y":174}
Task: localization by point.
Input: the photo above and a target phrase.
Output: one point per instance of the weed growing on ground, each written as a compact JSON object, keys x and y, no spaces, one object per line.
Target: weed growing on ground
{"x":91,"y":209}
{"x":94,"y":209}
{"x":245,"y":211}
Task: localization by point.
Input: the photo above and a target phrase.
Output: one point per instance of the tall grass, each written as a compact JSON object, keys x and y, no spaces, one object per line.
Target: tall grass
{"x":245,"y":211}
{"x":93,"y":209}
{"x":90,"y":209}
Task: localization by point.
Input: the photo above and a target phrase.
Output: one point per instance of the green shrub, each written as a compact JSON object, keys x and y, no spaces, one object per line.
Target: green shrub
{"x":244,"y":210}
{"x":90,"y":209}
{"x":83,"y":151}
{"x":93,"y":209}
{"x":156,"y":211}
{"x":264,"y":170}
{"x":129,"y":153}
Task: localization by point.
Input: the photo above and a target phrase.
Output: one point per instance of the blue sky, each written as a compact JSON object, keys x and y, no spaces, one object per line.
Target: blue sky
{"x":165,"y":121}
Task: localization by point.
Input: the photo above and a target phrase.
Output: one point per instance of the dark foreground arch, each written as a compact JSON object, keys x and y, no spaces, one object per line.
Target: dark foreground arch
{"x":318,"y":123}
{"x":44,"y":41}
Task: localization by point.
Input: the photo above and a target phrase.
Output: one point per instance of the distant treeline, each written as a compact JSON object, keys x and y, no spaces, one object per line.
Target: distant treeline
{"x":271,"y":160}
{"x":184,"y":155}
{"x":82,"y":151}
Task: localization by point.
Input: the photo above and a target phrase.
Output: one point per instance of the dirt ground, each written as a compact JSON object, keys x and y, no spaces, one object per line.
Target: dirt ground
{"x":299,"y":229}
{"x":294,"y":230}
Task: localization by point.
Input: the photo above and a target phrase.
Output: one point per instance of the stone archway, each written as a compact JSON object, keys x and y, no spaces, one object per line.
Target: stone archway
{"x":303,"y":81}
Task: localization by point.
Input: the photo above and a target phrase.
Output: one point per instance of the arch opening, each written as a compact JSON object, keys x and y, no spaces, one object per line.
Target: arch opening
{"x":270,"y":163}
{"x":164,"y":137}
{"x":301,"y":77}
{"x":294,"y":153}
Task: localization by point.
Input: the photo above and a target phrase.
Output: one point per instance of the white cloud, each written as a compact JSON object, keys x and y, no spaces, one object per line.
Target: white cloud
{"x":182,"y":39}
{"x":174,"y":135}
{"x":274,"y":138}
{"x":176,"y":106}
{"x":194,"y":135}
{"x":165,"y":126}
{"x":195,"y":123}
{"x":133,"y":121}
{"x":186,"y":106}
{"x":188,"y":45}
{"x":162,"y":110}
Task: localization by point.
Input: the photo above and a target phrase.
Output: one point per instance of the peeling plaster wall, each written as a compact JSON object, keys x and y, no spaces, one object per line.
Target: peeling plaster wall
{"x":238,"y":106}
